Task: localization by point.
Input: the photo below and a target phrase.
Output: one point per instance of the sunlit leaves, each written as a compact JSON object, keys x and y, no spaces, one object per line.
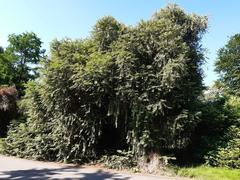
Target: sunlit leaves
{"x":138,"y":81}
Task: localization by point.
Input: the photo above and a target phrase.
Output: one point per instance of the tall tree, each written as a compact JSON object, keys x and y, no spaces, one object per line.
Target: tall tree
{"x":135,"y":87}
{"x":25,"y":52}
{"x":228,"y":65}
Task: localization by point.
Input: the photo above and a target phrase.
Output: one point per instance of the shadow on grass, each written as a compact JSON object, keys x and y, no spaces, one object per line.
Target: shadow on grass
{"x":60,"y":173}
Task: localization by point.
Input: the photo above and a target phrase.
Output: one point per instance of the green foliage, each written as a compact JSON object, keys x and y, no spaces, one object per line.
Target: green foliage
{"x":212,"y":141}
{"x":106,"y":31}
{"x":19,"y":60}
{"x":18,"y":64}
{"x":228,"y":152}
{"x":209,"y":173}
{"x":8,"y":107}
{"x":227,"y":65}
{"x":27,"y":141}
{"x":124,"y":88}
{"x":6,"y":69}
{"x":1,"y":145}
{"x":121,"y":160}
{"x":219,"y":144}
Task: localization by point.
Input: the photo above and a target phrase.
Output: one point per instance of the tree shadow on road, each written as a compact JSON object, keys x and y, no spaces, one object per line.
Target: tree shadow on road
{"x":60,"y":173}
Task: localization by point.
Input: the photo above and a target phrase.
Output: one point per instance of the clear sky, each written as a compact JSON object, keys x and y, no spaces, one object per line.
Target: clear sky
{"x":51,"y":19}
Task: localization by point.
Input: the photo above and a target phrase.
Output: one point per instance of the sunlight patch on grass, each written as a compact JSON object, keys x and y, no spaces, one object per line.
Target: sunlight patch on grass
{"x":210,"y":173}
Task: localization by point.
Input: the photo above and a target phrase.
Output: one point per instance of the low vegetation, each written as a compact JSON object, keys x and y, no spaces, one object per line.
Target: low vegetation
{"x":120,"y":160}
{"x":209,"y":173}
{"x":8,"y":107}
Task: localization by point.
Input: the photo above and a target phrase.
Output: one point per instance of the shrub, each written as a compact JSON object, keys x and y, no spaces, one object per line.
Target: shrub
{"x":121,"y":160}
{"x":219,"y":112}
{"x":8,"y":107}
{"x":228,"y":152}
{"x":1,"y":145}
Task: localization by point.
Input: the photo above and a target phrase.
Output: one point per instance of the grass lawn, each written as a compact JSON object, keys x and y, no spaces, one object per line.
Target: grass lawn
{"x":210,"y":173}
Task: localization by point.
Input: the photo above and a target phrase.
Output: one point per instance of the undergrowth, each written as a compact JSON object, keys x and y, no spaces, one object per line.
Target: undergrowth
{"x":122,"y":160}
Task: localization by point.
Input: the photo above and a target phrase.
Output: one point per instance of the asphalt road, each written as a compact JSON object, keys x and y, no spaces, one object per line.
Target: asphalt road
{"x":16,"y":168}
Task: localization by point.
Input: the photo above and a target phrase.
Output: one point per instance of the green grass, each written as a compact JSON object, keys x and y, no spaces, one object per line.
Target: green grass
{"x":210,"y":173}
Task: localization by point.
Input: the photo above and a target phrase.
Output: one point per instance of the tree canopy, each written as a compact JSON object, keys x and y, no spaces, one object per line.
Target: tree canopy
{"x":228,"y":64}
{"x":123,"y":88}
{"x":19,"y":59}
{"x":18,"y":64}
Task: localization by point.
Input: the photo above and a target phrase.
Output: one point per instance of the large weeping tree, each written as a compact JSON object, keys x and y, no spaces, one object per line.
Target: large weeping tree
{"x":123,"y":88}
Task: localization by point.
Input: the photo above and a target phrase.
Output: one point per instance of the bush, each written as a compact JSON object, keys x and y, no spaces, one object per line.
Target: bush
{"x":228,"y":152}
{"x":152,"y":163}
{"x":8,"y":107}
{"x":27,"y":141}
{"x":122,"y":160}
{"x":1,"y":145}
{"x":219,"y":112}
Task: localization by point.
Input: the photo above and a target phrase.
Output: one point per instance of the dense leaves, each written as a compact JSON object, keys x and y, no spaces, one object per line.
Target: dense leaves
{"x":6,"y":69}
{"x":228,"y":152}
{"x":8,"y":107}
{"x":18,"y":62}
{"x":123,"y":88}
{"x":228,"y":64}
{"x":215,"y":139}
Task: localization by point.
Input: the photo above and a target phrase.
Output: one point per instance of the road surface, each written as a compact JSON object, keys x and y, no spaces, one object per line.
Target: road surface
{"x":16,"y":168}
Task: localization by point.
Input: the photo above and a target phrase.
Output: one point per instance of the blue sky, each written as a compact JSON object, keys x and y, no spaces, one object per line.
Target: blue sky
{"x":51,"y":19}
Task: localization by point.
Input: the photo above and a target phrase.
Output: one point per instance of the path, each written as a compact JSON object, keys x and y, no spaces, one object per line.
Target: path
{"x":16,"y":168}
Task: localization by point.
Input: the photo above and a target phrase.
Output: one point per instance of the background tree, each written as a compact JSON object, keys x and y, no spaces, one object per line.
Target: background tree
{"x":18,"y":63}
{"x":24,"y":52}
{"x":224,"y":148}
{"x":228,"y":65}
{"x":220,"y":114}
{"x":215,"y":140}
{"x":6,"y":69}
